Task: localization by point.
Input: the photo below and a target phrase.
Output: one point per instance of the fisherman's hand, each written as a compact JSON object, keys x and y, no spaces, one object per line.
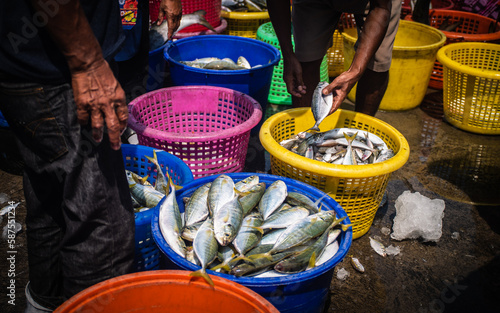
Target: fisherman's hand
{"x":292,"y":76}
{"x":340,"y":88}
{"x":171,"y":10}
{"x":98,"y":94}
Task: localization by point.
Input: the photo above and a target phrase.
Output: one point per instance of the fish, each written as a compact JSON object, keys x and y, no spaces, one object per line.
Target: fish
{"x":248,"y":237}
{"x":305,"y":259}
{"x":272,"y":236}
{"x":226,"y":255}
{"x":349,"y":158}
{"x":357,"y":265}
{"x":284,"y":218}
{"x":243,"y":62}
{"x":171,"y":223}
{"x":247,"y":183}
{"x":158,"y":34}
{"x":250,"y":198}
{"x":224,"y":64}
{"x":272,"y":198}
{"x":378,"y":247}
{"x":161,"y":181}
{"x":321,"y":105}
{"x":296,"y":198}
{"x":221,"y":191}
{"x":227,"y":221}
{"x":146,"y":195}
{"x":196,"y":209}
{"x":189,"y":232}
{"x":205,"y":248}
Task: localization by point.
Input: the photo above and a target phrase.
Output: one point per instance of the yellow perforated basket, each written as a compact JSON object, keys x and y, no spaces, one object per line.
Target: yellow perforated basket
{"x":471,"y":86}
{"x":244,"y":24}
{"x":357,"y":188}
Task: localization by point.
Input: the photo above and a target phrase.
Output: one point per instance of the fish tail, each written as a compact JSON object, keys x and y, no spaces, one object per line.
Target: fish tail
{"x":202,"y":273}
{"x":314,"y":128}
{"x":201,"y":14}
{"x":260,"y":229}
{"x":261,"y":255}
{"x":312,"y":260}
{"x":350,"y":138}
{"x":345,"y":227}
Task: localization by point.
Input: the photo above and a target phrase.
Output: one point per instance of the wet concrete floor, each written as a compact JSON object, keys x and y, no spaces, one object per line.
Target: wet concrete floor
{"x":459,"y":273}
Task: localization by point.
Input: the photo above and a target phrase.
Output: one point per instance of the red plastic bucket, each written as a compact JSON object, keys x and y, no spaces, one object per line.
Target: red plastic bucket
{"x":166,"y":291}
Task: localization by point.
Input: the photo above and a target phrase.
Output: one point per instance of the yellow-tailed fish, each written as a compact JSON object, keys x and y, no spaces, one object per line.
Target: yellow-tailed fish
{"x":350,"y":158}
{"x":272,"y":198}
{"x":248,"y":237}
{"x":251,"y":197}
{"x":221,"y":191}
{"x":227,"y":221}
{"x":205,"y":248}
{"x":161,"y":183}
{"x":320,"y":105}
{"x":196,"y":209}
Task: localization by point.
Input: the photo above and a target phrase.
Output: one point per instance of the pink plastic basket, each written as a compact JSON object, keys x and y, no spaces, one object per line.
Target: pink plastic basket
{"x":207,"y":127}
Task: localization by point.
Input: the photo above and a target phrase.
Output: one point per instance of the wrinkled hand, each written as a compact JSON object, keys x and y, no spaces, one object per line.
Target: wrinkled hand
{"x":98,"y":94}
{"x":171,"y":10}
{"x":292,"y":76}
{"x":340,"y":88}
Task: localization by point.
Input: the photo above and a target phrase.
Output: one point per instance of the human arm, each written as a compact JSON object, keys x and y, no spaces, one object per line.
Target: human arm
{"x":279,"y":12}
{"x":96,"y":91}
{"x":374,"y":30}
{"x":171,"y":10}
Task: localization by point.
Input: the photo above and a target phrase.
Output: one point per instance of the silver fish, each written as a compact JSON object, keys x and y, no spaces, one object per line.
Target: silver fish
{"x":251,"y":198}
{"x":158,"y":35}
{"x":321,"y":105}
{"x":296,"y":198}
{"x":284,"y":218}
{"x":223,"y":65}
{"x":161,"y":183}
{"x":170,"y":221}
{"x":247,"y":183}
{"x":248,"y":237}
{"x":271,"y":237}
{"x":196,"y":210}
{"x":378,"y":247}
{"x":205,"y":248}
{"x":221,"y":191}
{"x":227,"y":221}
{"x":272,"y":198}
{"x":6,"y":209}
{"x":243,"y":62}
{"x":189,"y":232}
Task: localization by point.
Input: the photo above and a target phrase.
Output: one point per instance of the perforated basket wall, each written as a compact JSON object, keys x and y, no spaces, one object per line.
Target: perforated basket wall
{"x":206,"y":127}
{"x":278,"y":93}
{"x":357,"y":188}
{"x":471,"y":86}
{"x":244,"y":24}
{"x":147,"y":255}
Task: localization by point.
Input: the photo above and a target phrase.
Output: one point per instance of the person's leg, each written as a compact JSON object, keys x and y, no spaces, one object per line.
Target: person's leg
{"x":370,"y":91}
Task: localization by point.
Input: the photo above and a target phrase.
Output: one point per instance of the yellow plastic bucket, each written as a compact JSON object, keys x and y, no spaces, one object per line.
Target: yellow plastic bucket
{"x":244,"y":24}
{"x":471,"y":86}
{"x":357,"y":188}
{"x":413,"y":56}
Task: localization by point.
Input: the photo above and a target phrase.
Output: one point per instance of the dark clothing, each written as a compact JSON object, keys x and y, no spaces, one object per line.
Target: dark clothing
{"x":80,"y":222}
{"x":27,"y":52}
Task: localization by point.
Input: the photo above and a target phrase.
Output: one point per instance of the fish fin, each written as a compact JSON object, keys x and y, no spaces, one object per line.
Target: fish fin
{"x":320,"y":199}
{"x":223,"y":266}
{"x":314,"y":128}
{"x":350,"y":138}
{"x":312,"y":260}
{"x":202,"y":273}
{"x":260,"y":229}
{"x":345,"y":227}
{"x":261,"y":255}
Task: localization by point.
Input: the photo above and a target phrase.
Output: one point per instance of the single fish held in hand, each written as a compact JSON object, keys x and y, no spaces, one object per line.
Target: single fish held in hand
{"x":321,"y":105}
{"x":158,"y":34}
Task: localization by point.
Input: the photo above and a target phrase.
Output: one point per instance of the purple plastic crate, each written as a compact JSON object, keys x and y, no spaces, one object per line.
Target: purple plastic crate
{"x":207,"y":127}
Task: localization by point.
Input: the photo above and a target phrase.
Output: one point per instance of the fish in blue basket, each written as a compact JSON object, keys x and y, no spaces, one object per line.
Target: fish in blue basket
{"x":321,"y":105}
{"x":170,"y":221}
{"x":205,"y":248}
{"x":161,"y":182}
{"x":144,"y":194}
{"x":273,"y":198}
{"x":158,"y":34}
{"x":227,"y":221}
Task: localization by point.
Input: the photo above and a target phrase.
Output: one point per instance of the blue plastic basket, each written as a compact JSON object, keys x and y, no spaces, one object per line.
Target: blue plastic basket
{"x":254,"y":82}
{"x":147,"y":255}
{"x":304,"y":292}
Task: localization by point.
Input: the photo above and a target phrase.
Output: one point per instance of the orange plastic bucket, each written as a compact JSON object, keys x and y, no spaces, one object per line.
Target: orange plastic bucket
{"x":166,"y":291}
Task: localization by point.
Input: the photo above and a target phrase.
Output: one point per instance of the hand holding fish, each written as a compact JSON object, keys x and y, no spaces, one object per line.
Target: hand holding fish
{"x":340,"y":88}
{"x":171,"y":10}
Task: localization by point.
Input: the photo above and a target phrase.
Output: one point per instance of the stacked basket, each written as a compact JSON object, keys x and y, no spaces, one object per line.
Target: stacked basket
{"x":244,"y":24}
{"x":147,"y":255}
{"x":471,"y":27}
{"x":357,"y":188}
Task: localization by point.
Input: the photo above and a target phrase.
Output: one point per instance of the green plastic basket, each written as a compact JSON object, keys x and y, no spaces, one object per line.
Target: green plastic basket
{"x":278,"y":93}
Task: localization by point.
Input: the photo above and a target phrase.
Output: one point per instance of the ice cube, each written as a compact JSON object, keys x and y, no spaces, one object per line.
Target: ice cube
{"x":342,"y":274}
{"x":417,"y":216}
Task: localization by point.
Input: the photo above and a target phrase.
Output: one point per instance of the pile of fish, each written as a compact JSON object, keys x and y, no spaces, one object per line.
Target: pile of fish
{"x":145,"y":195}
{"x":345,"y":146}
{"x":243,"y":228}
{"x":213,"y":63}
{"x":244,"y":5}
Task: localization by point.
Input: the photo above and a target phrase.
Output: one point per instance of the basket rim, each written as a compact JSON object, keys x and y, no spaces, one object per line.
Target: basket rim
{"x":246,"y":126}
{"x":334,"y":170}
{"x":229,"y":38}
{"x":435,"y":45}
{"x":245,"y":15}
{"x":465,"y":36}
{"x":344,"y":245}
{"x":454,"y":65}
